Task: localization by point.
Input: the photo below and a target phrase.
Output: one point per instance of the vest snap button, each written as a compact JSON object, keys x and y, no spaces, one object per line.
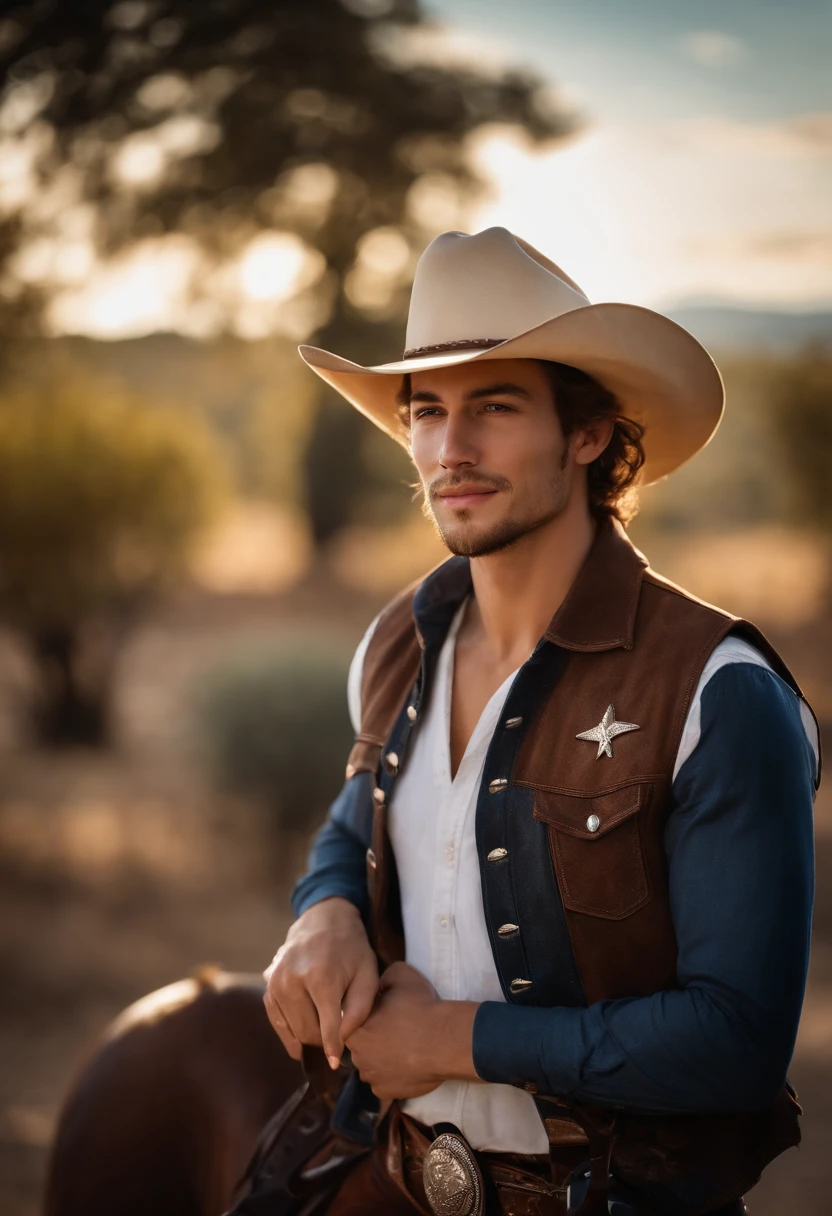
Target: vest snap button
{"x":379,"y":795}
{"x":499,"y":783}
{"x":371,"y":859}
{"x":392,"y":762}
{"x":412,"y":713}
{"x":593,"y":823}
{"x":520,"y":985}
{"x":497,"y":855}
{"x":508,"y":930}
{"x":512,"y":723}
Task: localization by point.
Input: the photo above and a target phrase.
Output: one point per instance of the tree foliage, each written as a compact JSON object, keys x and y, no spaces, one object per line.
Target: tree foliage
{"x":801,"y":401}
{"x":217,"y":120}
{"x":100,"y":499}
{"x":275,"y":722}
{"x":241,"y":94}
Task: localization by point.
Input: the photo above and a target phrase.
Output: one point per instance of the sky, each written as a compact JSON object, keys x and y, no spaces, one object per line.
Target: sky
{"x":701,"y":172}
{"x":704,"y":170}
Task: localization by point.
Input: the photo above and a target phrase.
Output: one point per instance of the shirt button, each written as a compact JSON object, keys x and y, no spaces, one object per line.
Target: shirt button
{"x":444,"y":922}
{"x":593,"y":823}
{"x":449,"y":852}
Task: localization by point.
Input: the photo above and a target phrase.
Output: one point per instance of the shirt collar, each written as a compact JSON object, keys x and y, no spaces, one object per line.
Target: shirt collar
{"x":598,"y":613}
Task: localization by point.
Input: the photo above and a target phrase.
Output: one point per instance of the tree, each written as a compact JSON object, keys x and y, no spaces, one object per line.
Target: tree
{"x":801,"y":404}
{"x":100,"y":499}
{"x":218,"y":119}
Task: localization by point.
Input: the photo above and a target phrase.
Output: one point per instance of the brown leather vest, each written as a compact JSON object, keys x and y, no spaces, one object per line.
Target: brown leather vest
{"x":636,"y":641}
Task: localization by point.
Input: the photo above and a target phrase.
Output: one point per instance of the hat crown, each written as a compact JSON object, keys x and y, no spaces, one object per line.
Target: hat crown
{"x":489,"y":285}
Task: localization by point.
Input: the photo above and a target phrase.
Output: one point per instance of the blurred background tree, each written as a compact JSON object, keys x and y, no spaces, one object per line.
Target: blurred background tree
{"x":101,"y":497}
{"x":800,"y":395}
{"x":229,"y":120}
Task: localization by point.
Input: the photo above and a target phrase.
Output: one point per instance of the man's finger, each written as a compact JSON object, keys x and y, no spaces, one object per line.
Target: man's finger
{"x":359,"y":999}
{"x":329,"y":1013}
{"x":281,"y":1027}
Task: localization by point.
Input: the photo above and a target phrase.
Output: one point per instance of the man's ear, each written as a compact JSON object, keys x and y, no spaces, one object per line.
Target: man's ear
{"x":590,"y":441}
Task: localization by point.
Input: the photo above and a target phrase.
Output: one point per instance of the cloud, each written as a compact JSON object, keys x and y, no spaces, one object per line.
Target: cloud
{"x":714,"y":49}
{"x":805,"y":136}
{"x":782,"y":245}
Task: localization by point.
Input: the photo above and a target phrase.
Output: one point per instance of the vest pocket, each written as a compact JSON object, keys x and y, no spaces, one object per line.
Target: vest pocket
{"x":598,"y":849}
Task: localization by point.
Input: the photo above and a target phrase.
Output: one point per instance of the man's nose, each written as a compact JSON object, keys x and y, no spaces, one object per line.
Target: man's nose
{"x":458,"y":443}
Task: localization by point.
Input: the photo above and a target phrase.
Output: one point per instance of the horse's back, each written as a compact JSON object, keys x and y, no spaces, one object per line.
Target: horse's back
{"x":164,"y":1117}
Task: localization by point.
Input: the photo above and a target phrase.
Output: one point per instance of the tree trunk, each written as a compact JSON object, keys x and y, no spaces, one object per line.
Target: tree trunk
{"x":335,"y":474}
{"x":72,"y":704}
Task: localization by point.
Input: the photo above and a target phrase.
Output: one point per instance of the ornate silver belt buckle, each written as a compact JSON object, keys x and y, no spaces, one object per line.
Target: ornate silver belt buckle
{"x":452,"y":1178}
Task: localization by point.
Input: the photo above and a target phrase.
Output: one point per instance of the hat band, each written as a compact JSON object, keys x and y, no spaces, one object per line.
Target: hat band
{"x":439,"y":348}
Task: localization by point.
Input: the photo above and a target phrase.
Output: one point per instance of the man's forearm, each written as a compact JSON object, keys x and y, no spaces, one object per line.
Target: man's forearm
{"x":449,"y":1038}
{"x":337,"y":860}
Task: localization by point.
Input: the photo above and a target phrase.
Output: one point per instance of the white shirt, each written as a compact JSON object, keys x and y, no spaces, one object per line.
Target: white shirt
{"x":432,"y":831}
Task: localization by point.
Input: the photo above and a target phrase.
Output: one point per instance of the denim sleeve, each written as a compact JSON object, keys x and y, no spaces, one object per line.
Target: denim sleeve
{"x":337,"y":861}
{"x":739,"y":844}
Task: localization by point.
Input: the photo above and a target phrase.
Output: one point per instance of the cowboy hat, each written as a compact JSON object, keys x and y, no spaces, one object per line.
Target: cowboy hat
{"x":491,"y":295}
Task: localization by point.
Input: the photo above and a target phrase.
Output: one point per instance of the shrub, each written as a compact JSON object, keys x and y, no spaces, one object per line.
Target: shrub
{"x":275,"y":722}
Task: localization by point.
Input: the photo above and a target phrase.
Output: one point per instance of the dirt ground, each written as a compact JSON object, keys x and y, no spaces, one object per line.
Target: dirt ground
{"x":124,"y":871}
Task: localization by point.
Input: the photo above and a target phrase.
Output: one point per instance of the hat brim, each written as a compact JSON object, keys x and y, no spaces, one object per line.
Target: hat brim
{"x":662,"y":376}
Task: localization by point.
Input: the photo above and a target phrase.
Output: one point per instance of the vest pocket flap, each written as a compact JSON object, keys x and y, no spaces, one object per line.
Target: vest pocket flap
{"x":589,"y":817}
{"x":597,"y":848}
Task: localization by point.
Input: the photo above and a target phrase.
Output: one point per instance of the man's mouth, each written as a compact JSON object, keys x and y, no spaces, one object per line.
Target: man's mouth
{"x":466,"y":496}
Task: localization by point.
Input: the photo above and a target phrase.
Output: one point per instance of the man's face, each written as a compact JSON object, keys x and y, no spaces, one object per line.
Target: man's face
{"x":489,"y":448}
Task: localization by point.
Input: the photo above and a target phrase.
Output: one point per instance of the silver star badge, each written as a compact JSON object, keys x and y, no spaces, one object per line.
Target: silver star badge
{"x":606,"y":730}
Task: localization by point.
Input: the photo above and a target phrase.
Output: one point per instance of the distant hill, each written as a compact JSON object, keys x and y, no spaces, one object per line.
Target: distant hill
{"x":721,"y":328}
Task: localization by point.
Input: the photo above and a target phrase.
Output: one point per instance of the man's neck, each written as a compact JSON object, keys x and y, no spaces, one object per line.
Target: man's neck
{"x":518,"y":590}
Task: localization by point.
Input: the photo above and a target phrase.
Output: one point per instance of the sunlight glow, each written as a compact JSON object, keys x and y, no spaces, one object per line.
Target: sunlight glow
{"x":656,"y":213}
{"x":144,"y":291}
{"x":165,"y":284}
{"x":141,"y":159}
{"x":272,"y":265}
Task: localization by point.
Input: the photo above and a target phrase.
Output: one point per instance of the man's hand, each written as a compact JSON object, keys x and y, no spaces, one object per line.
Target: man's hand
{"x":323,"y":980}
{"x":412,"y":1041}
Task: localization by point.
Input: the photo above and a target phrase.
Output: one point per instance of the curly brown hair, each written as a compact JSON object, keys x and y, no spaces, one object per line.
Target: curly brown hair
{"x":581,"y":400}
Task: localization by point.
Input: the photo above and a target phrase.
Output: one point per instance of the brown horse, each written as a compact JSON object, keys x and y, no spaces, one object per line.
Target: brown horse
{"x":164,"y":1117}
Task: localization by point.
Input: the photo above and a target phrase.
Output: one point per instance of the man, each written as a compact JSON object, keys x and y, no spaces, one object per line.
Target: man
{"x":561,"y":908}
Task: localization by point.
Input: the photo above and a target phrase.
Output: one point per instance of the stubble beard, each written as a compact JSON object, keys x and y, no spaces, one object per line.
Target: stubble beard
{"x":469,"y":543}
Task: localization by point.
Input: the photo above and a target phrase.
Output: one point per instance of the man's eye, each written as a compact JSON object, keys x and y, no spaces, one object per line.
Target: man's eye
{"x":425,"y":411}
{"x":498,"y":405}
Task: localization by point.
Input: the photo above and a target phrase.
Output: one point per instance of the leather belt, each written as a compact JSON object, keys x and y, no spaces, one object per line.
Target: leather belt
{"x":448,"y":1178}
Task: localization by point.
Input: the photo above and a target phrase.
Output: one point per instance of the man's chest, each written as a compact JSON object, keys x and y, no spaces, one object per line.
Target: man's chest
{"x":476,"y":678}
